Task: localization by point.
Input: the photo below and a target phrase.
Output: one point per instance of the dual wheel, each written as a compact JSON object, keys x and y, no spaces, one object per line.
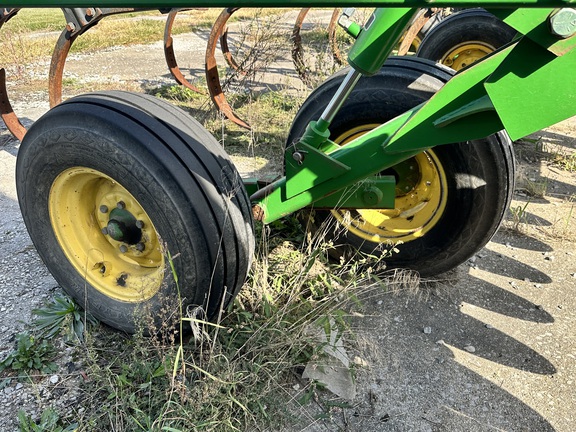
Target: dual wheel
{"x":113,"y":184}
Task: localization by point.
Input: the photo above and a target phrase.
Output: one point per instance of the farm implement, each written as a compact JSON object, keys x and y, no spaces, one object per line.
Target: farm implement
{"x":391,"y":152}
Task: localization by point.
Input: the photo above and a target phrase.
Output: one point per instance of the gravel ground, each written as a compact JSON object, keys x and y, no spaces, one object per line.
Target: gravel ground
{"x":492,"y":347}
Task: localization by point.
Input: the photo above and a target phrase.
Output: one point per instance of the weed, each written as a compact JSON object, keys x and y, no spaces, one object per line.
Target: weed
{"x":237,"y":373}
{"x":519,"y":215}
{"x":178,"y":93}
{"x":565,"y":161}
{"x":536,"y":188}
{"x":62,"y":316}
{"x":31,"y":354}
{"x":49,"y":422}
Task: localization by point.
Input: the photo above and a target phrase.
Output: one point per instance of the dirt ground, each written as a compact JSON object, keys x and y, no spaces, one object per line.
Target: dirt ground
{"x":489,"y":347}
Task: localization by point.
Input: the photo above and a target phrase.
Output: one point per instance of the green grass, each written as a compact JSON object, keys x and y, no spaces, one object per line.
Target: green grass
{"x":237,"y":374}
{"x":31,"y":354}
{"x":37,"y":20}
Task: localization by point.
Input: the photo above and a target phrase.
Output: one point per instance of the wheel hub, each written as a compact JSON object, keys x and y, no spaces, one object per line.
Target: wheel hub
{"x":118,"y":251}
{"x":465,"y":54}
{"x":122,"y":227}
{"x":420,"y":199}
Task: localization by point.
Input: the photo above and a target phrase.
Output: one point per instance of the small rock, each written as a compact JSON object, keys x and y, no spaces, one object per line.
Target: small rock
{"x":380,"y":302}
{"x":513,"y":284}
{"x":19,"y":386}
{"x":508,"y":245}
{"x":296,"y":387}
{"x":54,"y":379}
{"x":470,"y":348}
{"x":427,"y":330}
{"x":440,"y":342}
{"x":526,"y":279}
{"x":537,"y":285}
{"x":488,"y":326}
{"x":549,"y":258}
{"x":360,"y":361}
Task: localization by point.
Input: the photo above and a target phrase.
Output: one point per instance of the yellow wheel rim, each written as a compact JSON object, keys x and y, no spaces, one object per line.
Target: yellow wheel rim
{"x":465,"y":54}
{"x":420,"y":200}
{"x":106,"y":235}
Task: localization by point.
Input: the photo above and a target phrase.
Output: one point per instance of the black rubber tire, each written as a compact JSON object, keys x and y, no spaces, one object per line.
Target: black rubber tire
{"x":180,"y":176}
{"x":473,"y":211}
{"x":468,"y":25}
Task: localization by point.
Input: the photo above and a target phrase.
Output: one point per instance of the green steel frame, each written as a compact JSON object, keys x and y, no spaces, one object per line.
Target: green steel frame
{"x":525,"y":86}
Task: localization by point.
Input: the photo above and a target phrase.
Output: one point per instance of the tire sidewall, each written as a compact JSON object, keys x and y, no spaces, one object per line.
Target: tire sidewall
{"x":464,"y":27}
{"x":141,"y":174}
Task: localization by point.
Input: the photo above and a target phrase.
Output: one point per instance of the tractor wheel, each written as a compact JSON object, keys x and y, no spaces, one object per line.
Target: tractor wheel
{"x":450,"y":200}
{"x":464,"y":38}
{"x":111,"y":185}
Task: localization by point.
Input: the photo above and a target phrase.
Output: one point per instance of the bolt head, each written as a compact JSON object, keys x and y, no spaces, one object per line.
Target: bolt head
{"x":140,"y":247}
{"x":348,"y":12}
{"x":121,"y":205}
{"x":123,"y":248}
{"x":70,"y":26}
{"x":372,"y":196}
{"x":563,"y":23}
{"x":103,"y":209}
{"x":298,"y":157}
{"x":105,"y":230}
{"x":139,"y":224}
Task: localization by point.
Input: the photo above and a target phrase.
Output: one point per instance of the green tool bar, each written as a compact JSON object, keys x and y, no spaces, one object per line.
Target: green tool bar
{"x":158,"y":4}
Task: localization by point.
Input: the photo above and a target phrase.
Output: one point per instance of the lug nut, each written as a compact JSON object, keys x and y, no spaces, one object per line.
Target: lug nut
{"x":90,"y":12}
{"x":121,"y":205}
{"x":123,"y":248}
{"x":70,"y":26}
{"x":139,"y":224}
{"x":140,"y":247}
{"x":103,"y":209}
{"x":105,"y":230}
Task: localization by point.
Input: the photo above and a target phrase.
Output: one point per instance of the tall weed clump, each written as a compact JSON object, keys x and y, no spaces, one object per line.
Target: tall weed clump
{"x":241,"y":371}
